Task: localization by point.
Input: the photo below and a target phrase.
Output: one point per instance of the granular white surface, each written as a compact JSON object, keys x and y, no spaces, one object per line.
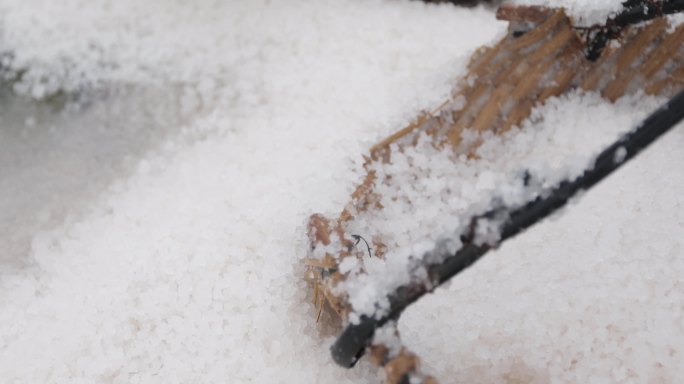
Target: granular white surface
{"x":583,"y":12}
{"x":154,"y":236}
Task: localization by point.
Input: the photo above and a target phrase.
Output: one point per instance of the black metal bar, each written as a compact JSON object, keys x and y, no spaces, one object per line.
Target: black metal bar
{"x":354,"y":339}
{"x":635,"y":11}
{"x":638,"y":11}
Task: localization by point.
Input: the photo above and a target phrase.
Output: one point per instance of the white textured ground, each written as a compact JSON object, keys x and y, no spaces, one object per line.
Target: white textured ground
{"x":154,"y":235}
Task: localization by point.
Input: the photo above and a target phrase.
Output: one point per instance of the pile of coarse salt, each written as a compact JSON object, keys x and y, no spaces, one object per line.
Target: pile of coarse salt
{"x":583,"y":12}
{"x":167,"y":248}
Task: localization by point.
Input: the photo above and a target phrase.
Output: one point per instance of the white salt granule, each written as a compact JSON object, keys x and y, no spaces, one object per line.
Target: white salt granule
{"x":458,"y":103}
{"x":387,"y":336}
{"x":675,"y":21}
{"x":620,"y":155}
{"x":348,"y":264}
{"x":583,"y":12}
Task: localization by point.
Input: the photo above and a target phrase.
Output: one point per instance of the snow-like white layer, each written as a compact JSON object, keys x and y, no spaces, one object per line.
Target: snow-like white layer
{"x":73,"y":44}
{"x":583,"y":12}
{"x":676,"y":20}
{"x":186,"y":269}
{"x":592,"y":295}
{"x":432,"y":194}
{"x":45,"y":156}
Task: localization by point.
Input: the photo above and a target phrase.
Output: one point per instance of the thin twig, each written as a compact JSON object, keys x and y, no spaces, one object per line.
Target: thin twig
{"x":359,"y":238}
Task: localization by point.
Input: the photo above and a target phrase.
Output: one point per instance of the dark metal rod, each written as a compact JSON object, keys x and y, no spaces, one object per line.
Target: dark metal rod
{"x":635,"y":11}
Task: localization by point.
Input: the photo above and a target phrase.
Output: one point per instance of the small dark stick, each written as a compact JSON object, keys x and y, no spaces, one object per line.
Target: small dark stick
{"x":359,"y":238}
